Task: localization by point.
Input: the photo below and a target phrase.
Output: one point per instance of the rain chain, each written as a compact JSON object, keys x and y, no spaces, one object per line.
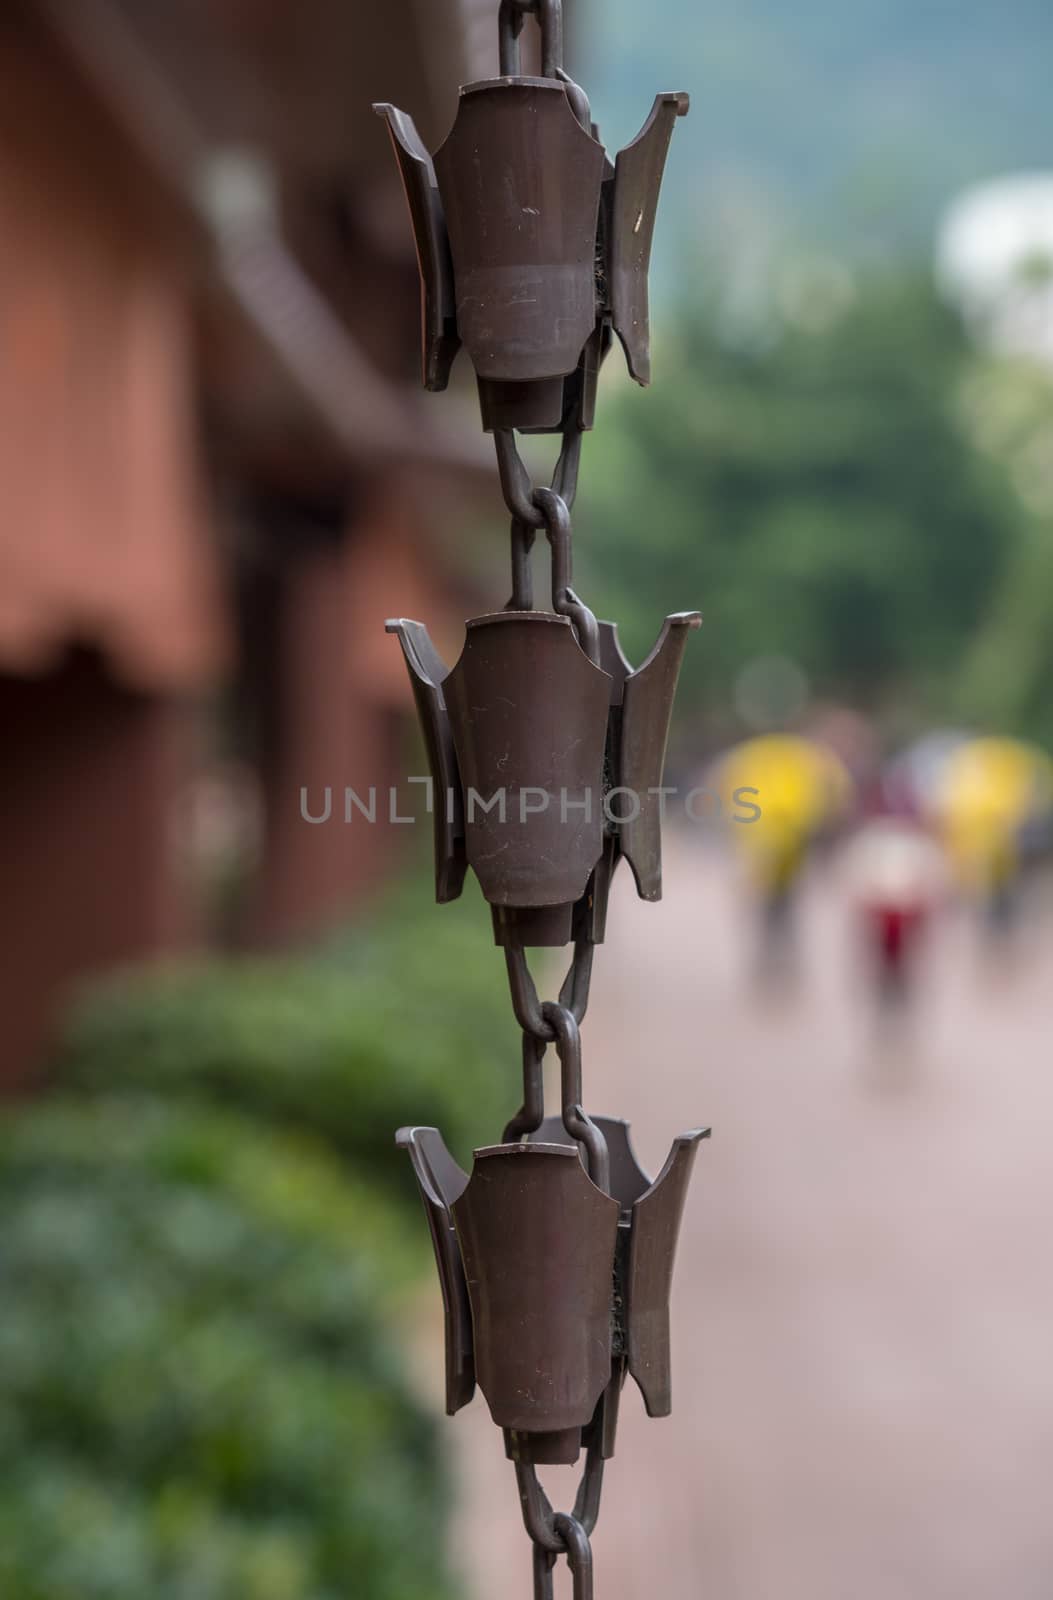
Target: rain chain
{"x":546,"y":751}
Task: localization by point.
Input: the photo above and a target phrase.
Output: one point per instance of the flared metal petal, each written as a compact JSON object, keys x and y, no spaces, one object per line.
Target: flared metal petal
{"x":528,"y":713}
{"x":637,"y":181}
{"x":520,"y":182}
{"x":439,"y":337}
{"x":538,"y":1240}
{"x":647,"y":706}
{"x":649,"y":1275}
{"x":441,"y":1183}
{"x":427,"y":674}
{"x":613,"y":660}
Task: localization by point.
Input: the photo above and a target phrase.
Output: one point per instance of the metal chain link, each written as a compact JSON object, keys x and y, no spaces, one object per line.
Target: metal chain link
{"x":516,"y":485}
{"x":549,"y":15}
{"x":574,"y":991}
{"x":556,"y":1533}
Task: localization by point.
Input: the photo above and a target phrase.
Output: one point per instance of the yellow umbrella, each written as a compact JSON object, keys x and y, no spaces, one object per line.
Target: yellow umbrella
{"x":990,"y":788}
{"x":797,"y":786}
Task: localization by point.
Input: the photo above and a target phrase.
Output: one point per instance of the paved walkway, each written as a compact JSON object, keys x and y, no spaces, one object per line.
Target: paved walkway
{"x":863,"y":1316}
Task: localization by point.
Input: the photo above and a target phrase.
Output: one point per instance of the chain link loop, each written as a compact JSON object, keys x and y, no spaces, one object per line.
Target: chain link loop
{"x":579,"y":1553}
{"x":556,"y":1533}
{"x":516,"y":484}
{"x":549,"y":14}
{"x":532,"y":1112}
{"x":574,"y":992}
{"x":549,"y":509}
{"x":564,"y":601}
{"x":576,"y":1120}
{"x":544,"y":1561}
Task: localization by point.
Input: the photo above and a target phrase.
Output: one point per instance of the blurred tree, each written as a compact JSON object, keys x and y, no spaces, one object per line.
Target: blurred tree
{"x":1007,"y":408}
{"x":809,"y":484}
{"x":853,"y":124}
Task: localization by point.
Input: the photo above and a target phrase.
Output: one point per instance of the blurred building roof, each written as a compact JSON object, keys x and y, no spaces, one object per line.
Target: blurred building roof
{"x":298,"y":79}
{"x":199,"y":192}
{"x":315,"y":256}
{"x":102,"y":536}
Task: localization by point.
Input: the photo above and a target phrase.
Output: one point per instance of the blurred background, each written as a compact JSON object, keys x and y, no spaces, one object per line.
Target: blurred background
{"x":220,"y":1361}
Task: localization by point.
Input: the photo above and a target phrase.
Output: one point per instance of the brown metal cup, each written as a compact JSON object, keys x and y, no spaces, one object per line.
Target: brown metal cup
{"x":528,"y":713}
{"x":538,"y":1240}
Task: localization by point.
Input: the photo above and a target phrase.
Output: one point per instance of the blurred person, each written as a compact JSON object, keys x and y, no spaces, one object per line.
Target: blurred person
{"x":800,"y":790}
{"x":916,"y":773}
{"x":993,"y":803}
{"x":850,"y":734}
{"x":896,"y":878}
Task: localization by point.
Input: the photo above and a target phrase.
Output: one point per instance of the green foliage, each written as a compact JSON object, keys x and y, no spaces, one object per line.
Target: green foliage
{"x":401,"y":1021}
{"x":198,"y":1395}
{"x":813,"y":490}
{"x":854,"y":124}
{"x":208,"y":1238}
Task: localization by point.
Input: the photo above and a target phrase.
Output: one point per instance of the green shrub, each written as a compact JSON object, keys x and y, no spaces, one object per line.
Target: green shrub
{"x":405,"y":1020}
{"x":205,"y":1238}
{"x":199,"y":1399}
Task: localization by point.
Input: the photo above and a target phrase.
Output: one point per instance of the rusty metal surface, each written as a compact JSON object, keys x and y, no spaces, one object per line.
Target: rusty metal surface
{"x":439,"y":338}
{"x":427,"y":674}
{"x":549,"y":242}
{"x":441,"y":1182}
{"x":647,"y":708}
{"x":529,"y":407}
{"x":613,"y":660}
{"x":537,"y":1239}
{"x":520,"y":182}
{"x":628,"y":1179}
{"x":533,"y":927}
{"x":528,"y":712}
{"x":652,"y":1252}
{"x":637,"y":179}
{"x":644,"y":1274}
